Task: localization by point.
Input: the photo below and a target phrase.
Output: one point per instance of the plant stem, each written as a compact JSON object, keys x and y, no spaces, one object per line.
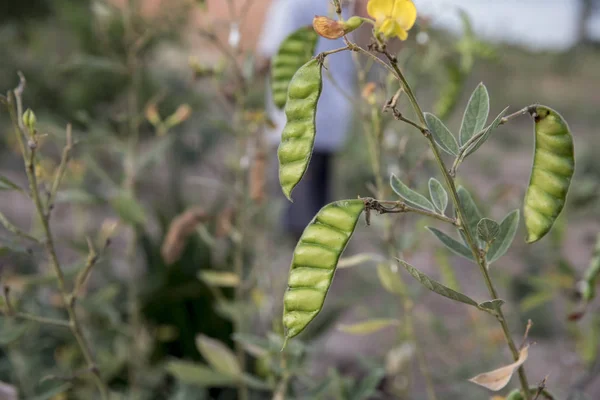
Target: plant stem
{"x":44,"y":217}
{"x":460,"y":213}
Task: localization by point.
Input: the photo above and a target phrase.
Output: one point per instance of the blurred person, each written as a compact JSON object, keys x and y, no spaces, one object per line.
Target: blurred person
{"x":334,"y":111}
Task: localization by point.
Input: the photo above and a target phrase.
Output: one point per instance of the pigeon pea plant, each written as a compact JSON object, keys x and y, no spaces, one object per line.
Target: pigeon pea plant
{"x":483,"y":240}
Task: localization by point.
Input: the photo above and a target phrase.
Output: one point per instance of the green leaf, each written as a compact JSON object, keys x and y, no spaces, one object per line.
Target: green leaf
{"x":218,"y":355}
{"x":438,"y":194}
{"x":476,"y":114}
{"x":409,"y":195}
{"x":486,"y":135}
{"x":536,"y":299}
{"x":7,"y":184}
{"x":53,"y":392}
{"x":442,"y":135}
{"x":390,"y":280}
{"x":492,"y":305}
{"x":368,"y":386}
{"x":12,"y":331}
{"x":199,"y":375}
{"x":506,"y":235}
{"x":488,"y":230}
{"x":471,"y":212}
{"x":219,"y":278}
{"x":454,"y":245}
{"x":128,"y":208}
{"x":437,"y":287}
{"x":368,"y":327}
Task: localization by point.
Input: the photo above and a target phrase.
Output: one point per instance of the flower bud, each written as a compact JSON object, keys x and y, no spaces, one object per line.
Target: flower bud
{"x":332,"y":29}
{"x":152,"y":114}
{"x":29,"y":119}
{"x":182,"y":113}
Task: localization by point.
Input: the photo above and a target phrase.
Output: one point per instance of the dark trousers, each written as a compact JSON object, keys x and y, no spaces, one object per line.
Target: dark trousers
{"x":310,"y":195}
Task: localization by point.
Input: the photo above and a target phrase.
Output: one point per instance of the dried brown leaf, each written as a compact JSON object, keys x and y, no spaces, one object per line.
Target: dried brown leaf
{"x":179,"y":231}
{"x":497,"y":379}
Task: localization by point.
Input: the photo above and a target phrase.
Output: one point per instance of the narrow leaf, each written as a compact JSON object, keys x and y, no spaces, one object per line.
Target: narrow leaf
{"x":390,"y":280}
{"x":128,"y":208}
{"x":198,"y":374}
{"x":486,"y":135}
{"x":472,"y":213}
{"x":506,"y":235}
{"x":438,"y":194}
{"x":496,"y":380}
{"x":219,"y":356}
{"x":7,"y":184}
{"x":442,"y":135}
{"x":492,"y":305}
{"x":219,"y":278}
{"x":368,"y":327}
{"x":488,"y":230}
{"x":409,"y":195}
{"x":352,"y":261}
{"x":12,"y":331}
{"x":476,"y":113}
{"x":52,"y":393}
{"x":454,"y":245}
{"x":437,"y":287}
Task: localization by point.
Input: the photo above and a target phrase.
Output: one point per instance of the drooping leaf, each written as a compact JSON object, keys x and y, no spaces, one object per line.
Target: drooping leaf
{"x":496,"y":380}
{"x":368,"y":327}
{"x":486,"y":135}
{"x":437,"y":287}
{"x":454,"y":245}
{"x":199,"y":375}
{"x":128,"y":209}
{"x":390,"y":280}
{"x":476,"y":113}
{"x":488,"y":230}
{"x":409,"y":195}
{"x":7,"y":184}
{"x":441,"y":134}
{"x":218,"y":355}
{"x":219,"y":278}
{"x":439,"y":196}
{"x":506,"y":235}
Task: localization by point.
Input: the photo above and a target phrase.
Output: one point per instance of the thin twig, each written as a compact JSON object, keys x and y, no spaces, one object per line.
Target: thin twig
{"x":29,"y":161}
{"x":62,"y":168}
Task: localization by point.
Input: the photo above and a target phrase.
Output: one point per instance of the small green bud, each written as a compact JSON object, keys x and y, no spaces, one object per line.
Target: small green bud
{"x":29,"y":119}
{"x":515,"y":395}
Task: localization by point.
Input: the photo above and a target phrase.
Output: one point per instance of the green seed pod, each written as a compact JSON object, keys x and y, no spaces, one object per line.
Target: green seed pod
{"x":29,"y":119}
{"x":298,"y":136}
{"x":294,"y":52}
{"x":553,"y":167}
{"x":315,"y":260}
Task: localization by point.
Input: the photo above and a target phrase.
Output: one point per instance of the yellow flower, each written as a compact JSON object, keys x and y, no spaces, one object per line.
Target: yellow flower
{"x":393,"y":17}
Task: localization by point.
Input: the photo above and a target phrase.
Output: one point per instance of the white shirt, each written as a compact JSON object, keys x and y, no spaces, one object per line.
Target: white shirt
{"x":334,"y":110}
